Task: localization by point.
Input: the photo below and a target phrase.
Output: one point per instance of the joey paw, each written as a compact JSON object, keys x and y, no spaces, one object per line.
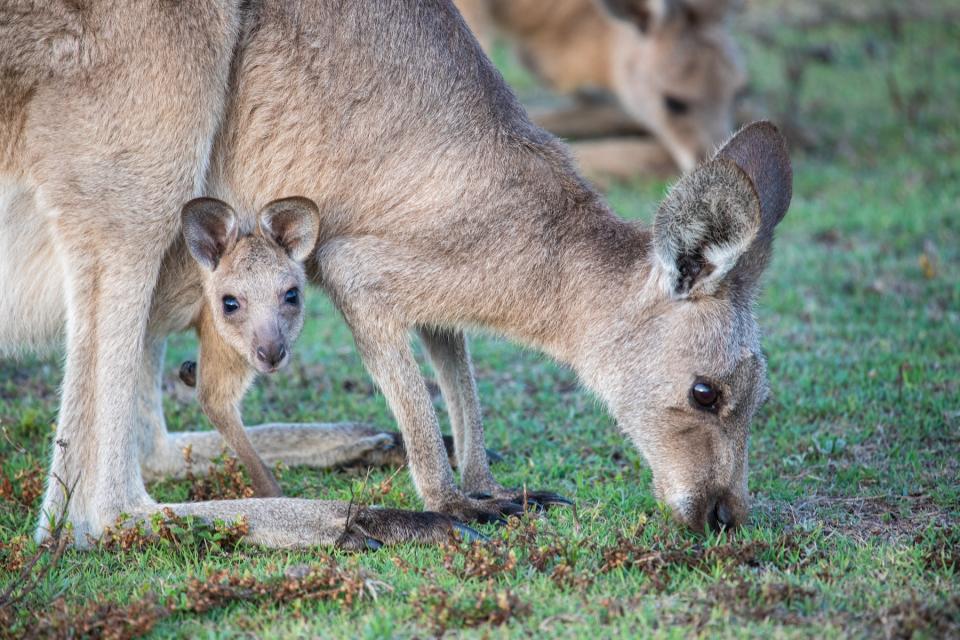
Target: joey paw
{"x":188,"y":373}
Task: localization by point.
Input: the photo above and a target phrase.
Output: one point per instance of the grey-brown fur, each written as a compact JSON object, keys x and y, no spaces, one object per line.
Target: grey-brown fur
{"x":443,"y":208}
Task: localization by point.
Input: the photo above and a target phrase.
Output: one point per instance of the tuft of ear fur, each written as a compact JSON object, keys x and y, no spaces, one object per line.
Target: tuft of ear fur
{"x":703,"y":227}
{"x":210,"y":228}
{"x":719,"y":219}
{"x":292,"y":224}
{"x":644,"y":14}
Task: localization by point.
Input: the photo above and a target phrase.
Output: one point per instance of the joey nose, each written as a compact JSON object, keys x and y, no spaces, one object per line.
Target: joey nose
{"x":272,"y":353}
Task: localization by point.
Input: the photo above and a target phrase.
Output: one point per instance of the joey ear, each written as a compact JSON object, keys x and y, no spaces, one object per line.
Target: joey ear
{"x":292,"y":224}
{"x":210,"y":229}
{"x":644,"y":14}
{"x":719,"y":219}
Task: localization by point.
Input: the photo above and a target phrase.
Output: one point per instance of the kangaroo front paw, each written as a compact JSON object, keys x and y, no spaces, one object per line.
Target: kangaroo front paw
{"x":485,"y":488}
{"x":372,"y":527}
{"x":536,"y":501}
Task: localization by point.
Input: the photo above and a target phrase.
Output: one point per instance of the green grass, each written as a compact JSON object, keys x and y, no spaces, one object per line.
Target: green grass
{"x":854,"y":461}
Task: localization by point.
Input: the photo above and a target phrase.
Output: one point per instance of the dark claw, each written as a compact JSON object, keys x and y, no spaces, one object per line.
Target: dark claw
{"x":485,"y":517}
{"x":533,"y":506}
{"x":469,"y":534}
{"x":545,"y":499}
{"x":511,"y":508}
{"x":372,"y":544}
{"x":493,"y":457}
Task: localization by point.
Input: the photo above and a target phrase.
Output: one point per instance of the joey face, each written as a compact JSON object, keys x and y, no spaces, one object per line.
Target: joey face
{"x":253,"y":284}
{"x":255,"y":296}
{"x":677,"y":71}
{"x":683,"y":371}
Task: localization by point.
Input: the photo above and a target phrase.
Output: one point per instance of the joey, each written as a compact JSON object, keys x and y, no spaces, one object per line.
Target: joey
{"x":252,"y":309}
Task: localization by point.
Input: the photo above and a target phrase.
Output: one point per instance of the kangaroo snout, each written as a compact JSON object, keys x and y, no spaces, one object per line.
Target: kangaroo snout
{"x":723,"y":512}
{"x":717,"y":511}
{"x":271,"y":355}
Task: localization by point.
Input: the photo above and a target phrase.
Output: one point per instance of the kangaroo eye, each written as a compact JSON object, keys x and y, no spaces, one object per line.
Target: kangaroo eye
{"x":705,"y":395}
{"x":676,"y":106}
{"x":230,"y":304}
{"x":292,"y":296}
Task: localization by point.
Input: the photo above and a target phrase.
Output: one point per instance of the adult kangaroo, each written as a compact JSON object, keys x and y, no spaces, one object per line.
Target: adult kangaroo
{"x":442,"y":207}
{"x":670,"y":67}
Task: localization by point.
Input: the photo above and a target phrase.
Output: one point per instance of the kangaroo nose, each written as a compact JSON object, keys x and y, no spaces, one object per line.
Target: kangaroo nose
{"x":272,"y":354}
{"x":720,"y":515}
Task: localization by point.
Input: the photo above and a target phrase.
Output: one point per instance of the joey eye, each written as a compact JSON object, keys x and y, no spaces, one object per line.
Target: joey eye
{"x":676,"y":106}
{"x":230,"y":305}
{"x":292,"y":296}
{"x":705,"y":395}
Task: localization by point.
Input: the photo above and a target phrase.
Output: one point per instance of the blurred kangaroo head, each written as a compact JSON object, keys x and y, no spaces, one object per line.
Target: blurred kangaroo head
{"x":683,"y":368}
{"x":676,"y":69}
{"x":253,"y":283}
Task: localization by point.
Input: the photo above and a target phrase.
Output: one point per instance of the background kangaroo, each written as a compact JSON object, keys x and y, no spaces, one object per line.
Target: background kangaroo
{"x":670,"y":67}
{"x":442,"y":206}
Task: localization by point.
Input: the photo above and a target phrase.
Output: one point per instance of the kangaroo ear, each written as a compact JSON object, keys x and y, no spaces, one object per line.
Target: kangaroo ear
{"x":210,"y":229}
{"x":722,"y":215}
{"x":293,"y":224}
{"x":760,"y":150}
{"x":644,"y":14}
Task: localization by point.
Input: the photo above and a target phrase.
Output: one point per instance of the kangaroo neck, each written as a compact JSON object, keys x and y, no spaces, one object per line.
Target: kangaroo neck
{"x":587,"y":260}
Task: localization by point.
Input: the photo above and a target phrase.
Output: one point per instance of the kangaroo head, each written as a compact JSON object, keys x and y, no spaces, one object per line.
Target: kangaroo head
{"x":676,"y":70}
{"x":253,"y":283}
{"x":682,"y":368}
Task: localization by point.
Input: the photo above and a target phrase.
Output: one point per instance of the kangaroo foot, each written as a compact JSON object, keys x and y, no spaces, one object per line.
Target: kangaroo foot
{"x":542,"y":499}
{"x":371,"y":528}
{"x":288,"y":523}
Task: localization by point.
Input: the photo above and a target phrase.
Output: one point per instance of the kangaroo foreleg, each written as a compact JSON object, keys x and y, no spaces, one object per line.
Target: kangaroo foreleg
{"x":224,"y":378}
{"x":382,"y":337}
{"x":451,"y":359}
